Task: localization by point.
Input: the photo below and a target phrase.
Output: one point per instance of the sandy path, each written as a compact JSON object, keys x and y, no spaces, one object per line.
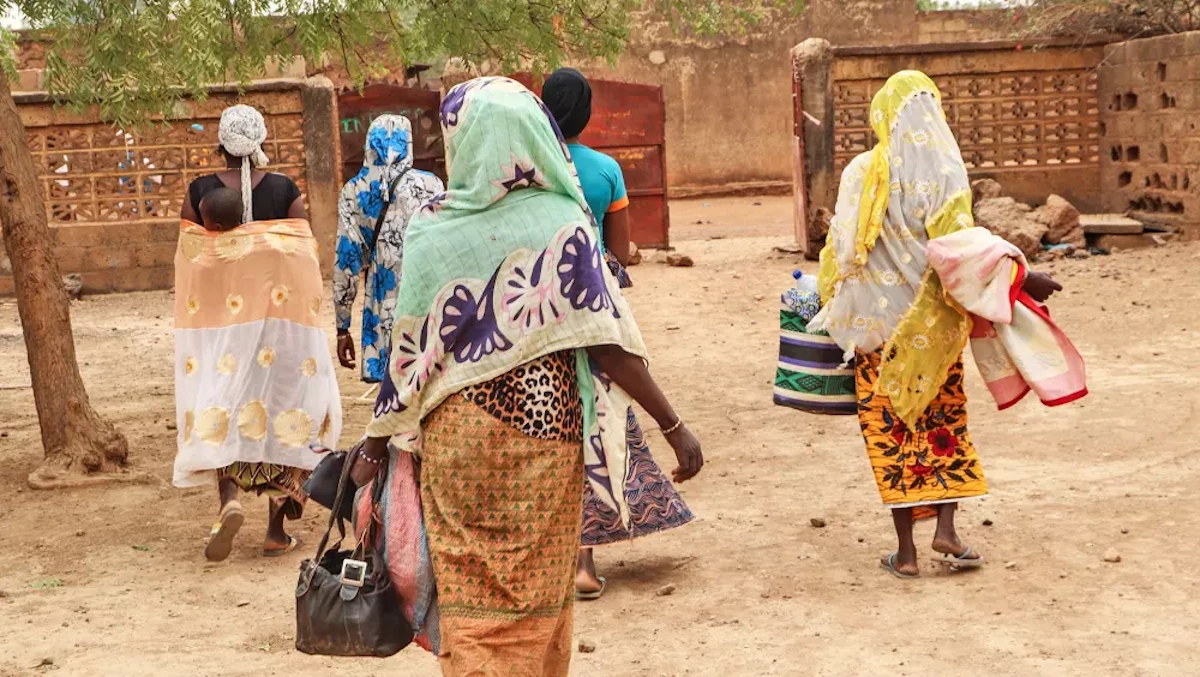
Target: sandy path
{"x":112,"y":581}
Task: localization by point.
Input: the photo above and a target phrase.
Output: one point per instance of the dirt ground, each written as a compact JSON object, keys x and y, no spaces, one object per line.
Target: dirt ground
{"x":109,"y":581}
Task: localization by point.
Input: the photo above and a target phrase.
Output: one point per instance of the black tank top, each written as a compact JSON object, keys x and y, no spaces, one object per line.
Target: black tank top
{"x":270,"y":199}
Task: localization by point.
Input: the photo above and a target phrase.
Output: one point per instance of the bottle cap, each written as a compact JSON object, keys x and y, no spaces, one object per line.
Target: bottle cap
{"x":796,"y":274}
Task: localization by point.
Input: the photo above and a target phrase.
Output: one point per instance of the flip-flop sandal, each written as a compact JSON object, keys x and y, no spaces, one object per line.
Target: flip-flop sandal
{"x":592,"y":594}
{"x":890,"y":565}
{"x":220,"y":539}
{"x":293,"y":543}
{"x":963,"y":561}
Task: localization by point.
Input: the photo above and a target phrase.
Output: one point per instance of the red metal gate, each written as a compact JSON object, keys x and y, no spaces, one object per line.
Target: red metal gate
{"x":628,"y":123}
{"x":420,"y":106}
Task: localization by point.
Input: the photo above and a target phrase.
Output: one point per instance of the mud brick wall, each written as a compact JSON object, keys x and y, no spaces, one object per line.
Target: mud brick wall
{"x":1150,"y":112}
{"x":113,"y":198}
{"x":729,"y":104}
{"x":1028,"y":118}
{"x":963,"y":25}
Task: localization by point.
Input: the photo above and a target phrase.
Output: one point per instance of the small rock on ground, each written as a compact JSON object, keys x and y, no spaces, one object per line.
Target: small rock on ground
{"x":1112,"y":556}
{"x":635,"y":254}
{"x":985,"y":189}
{"x":817,"y":522}
{"x":73,"y":283}
{"x":587,"y":646}
{"x":680,"y":261}
{"x":665,"y":591}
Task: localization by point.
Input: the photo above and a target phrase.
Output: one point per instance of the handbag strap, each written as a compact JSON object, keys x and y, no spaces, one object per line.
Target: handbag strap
{"x":382,"y":215}
{"x":335,"y":514}
{"x":365,"y":546}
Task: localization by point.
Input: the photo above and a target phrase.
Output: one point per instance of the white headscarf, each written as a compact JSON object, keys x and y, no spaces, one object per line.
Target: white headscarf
{"x":242,"y":133}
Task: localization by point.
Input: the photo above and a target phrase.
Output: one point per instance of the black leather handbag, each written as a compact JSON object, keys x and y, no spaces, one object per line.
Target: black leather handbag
{"x":322,"y":485}
{"x":345,"y":603}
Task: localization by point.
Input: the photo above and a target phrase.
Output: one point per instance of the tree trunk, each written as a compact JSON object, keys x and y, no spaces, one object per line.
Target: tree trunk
{"x":80,"y":446}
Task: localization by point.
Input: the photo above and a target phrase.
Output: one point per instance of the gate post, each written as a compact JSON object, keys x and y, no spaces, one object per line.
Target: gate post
{"x":322,"y":164}
{"x":815,"y":186}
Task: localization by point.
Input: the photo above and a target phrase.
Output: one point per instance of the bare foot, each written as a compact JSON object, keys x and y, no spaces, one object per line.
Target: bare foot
{"x":273,"y":547}
{"x":954,"y":547}
{"x":587,"y":582}
{"x":896,"y":561}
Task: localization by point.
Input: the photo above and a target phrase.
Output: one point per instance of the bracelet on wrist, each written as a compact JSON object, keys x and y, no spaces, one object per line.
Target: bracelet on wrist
{"x":373,"y":461}
{"x":677,"y":426}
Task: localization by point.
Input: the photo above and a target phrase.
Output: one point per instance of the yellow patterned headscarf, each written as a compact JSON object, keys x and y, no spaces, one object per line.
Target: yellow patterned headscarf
{"x":874,"y":280}
{"x":885,"y":108}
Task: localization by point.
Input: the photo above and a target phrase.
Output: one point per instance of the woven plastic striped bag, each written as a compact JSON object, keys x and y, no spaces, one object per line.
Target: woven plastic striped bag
{"x":810,"y":376}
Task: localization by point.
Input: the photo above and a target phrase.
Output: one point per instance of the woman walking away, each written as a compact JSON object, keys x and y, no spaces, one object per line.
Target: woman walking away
{"x":568,"y":95}
{"x":254,"y":383}
{"x":513,"y":353}
{"x":373,"y":215}
{"x":654,"y":505}
{"x":905,"y":279}
{"x":265,"y":195}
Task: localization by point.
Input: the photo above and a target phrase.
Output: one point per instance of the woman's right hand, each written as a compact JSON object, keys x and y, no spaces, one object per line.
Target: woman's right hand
{"x":367,"y":458}
{"x":687,"y":452}
{"x":345,"y":350}
{"x":1041,"y":286}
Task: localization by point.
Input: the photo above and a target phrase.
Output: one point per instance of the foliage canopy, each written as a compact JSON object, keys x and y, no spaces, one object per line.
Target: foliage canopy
{"x":137,"y":57}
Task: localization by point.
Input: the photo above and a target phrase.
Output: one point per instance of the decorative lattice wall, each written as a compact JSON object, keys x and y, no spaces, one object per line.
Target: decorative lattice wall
{"x":96,"y":173}
{"x":1003,"y":121}
{"x":113,"y":197}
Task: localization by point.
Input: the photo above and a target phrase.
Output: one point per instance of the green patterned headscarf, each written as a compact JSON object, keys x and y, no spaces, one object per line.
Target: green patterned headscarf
{"x":502,"y":269}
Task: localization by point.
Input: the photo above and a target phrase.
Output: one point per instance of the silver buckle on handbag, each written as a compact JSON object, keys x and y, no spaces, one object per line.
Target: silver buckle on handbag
{"x":354,"y":573}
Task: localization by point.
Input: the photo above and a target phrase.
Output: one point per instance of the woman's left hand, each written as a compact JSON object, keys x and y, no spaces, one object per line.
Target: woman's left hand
{"x":367,"y":458}
{"x":687,"y":452}
{"x":1041,"y":286}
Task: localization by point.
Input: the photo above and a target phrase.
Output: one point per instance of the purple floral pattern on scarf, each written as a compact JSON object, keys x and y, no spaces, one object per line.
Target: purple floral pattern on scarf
{"x":388,"y":400}
{"x":529,"y":301}
{"x":581,"y":275}
{"x":419,"y":358}
{"x":469,"y":329}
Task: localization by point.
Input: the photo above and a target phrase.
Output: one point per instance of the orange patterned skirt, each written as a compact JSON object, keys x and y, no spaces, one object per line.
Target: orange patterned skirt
{"x":934,"y":461}
{"x":502,"y":512}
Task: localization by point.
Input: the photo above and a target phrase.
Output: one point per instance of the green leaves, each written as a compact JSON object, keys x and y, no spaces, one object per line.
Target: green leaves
{"x":133,"y":59}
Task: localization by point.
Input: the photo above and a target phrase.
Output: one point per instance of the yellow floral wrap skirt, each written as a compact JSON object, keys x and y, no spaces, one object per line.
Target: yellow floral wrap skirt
{"x":934,"y":461}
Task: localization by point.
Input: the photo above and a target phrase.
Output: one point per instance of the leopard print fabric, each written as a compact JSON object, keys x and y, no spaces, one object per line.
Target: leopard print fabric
{"x":539,"y":398}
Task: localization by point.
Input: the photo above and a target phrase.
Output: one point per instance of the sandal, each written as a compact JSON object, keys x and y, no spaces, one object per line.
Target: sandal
{"x":592,"y":594}
{"x":220,"y":538}
{"x":963,"y":561}
{"x":293,"y":543}
{"x":889,"y":563}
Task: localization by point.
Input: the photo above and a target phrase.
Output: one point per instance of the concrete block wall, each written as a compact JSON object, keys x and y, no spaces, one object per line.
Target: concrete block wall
{"x":1149,"y":93}
{"x":113,"y":199}
{"x":1027,"y":118}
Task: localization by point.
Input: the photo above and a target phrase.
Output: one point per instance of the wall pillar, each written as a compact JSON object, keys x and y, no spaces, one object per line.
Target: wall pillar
{"x":322,"y":157}
{"x":815,"y":188}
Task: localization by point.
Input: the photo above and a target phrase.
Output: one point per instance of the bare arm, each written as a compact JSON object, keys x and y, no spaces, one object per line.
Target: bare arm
{"x":187,"y":212}
{"x":616,"y":234}
{"x":296,"y":209}
{"x":630,"y":373}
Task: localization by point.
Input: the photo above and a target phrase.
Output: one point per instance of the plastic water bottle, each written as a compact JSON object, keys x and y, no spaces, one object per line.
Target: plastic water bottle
{"x":804,"y":298}
{"x":805,"y":284}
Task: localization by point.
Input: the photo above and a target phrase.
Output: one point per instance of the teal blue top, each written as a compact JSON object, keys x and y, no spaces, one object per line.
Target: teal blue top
{"x":602,"y":181}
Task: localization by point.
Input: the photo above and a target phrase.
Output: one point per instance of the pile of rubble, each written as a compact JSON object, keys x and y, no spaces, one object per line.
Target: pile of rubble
{"x":1050,"y":231}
